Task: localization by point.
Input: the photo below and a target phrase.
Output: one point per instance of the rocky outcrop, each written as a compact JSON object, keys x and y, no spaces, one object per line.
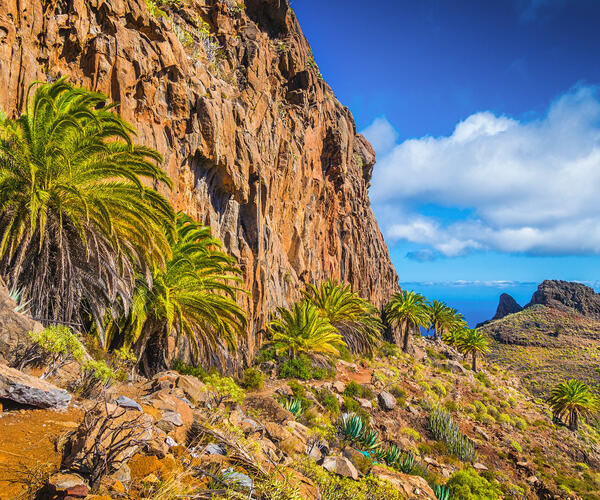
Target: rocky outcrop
{"x":255,"y":141}
{"x":565,"y":295}
{"x":31,"y":391}
{"x":506,"y":305}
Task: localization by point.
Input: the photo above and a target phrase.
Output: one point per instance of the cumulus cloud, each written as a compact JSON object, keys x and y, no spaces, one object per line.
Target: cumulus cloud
{"x":527,"y":186}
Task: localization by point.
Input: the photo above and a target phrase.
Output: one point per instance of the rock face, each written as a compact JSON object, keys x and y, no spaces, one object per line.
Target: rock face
{"x":506,"y":305}
{"x":257,"y":144}
{"x":27,"y":390}
{"x":566,"y":295}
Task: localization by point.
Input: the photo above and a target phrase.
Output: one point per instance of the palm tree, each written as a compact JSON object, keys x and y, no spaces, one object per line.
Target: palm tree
{"x":356,"y":319}
{"x":75,"y":218}
{"x":302,"y":329}
{"x":408,"y":310}
{"x":572,"y":399}
{"x":193,"y":295}
{"x":442,"y":318}
{"x":471,"y":341}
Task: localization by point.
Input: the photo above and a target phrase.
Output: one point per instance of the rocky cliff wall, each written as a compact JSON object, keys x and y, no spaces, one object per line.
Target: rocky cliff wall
{"x":256,"y":142}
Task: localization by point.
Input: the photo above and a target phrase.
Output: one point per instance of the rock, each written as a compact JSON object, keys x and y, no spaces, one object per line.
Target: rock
{"x":125,"y":402}
{"x":277,"y":432}
{"x":67,"y":485}
{"x":122,"y":474}
{"x":292,"y":445}
{"x":268,"y":409}
{"x":165,"y":426}
{"x":241,"y":480}
{"x":412,"y":487}
{"x":102,"y":426}
{"x":566,"y":295}
{"x":214,"y":449}
{"x":479,"y":466}
{"x":240,"y":152}
{"x":506,"y":305}
{"x":27,"y":390}
{"x":341,"y":466}
{"x":482,"y":433}
{"x":172,"y":417}
{"x":386,"y":401}
{"x":339,"y":386}
{"x":365,"y":403}
{"x":299,"y":430}
{"x":456,"y":367}
{"x":193,"y":388}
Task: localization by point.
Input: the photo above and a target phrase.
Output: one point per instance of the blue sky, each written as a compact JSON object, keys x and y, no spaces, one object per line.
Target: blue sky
{"x":485,"y":116}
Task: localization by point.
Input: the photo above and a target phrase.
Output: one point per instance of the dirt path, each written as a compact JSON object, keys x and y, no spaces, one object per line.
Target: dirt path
{"x":27,"y":447}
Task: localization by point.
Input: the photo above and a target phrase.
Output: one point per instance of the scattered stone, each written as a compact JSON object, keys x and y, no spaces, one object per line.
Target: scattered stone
{"x":125,"y":402}
{"x":214,"y":449}
{"x":412,"y":487}
{"x":193,"y":388}
{"x":170,"y":442}
{"x":339,"y":386}
{"x":386,"y":401}
{"x":292,"y":445}
{"x":482,"y":433}
{"x":172,"y":417}
{"x":268,"y":409}
{"x":277,"y":432}
{"x":340,"y":466}
{"x":532,"y":480}
{"x":165,"y":426}
{"x":365,"y":403}
{"x":27,"y":390}
{"x":68,"y":485}
{"x":479,"y":466}
{"x":455,"y":367}
{"x":241,"y":480}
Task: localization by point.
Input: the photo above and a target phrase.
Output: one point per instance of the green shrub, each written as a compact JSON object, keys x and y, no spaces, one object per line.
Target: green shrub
{"x":399,"y":393}
{"x":302,"y":368}
{"x":468,"y":485}
{"x":223,"y":389}
{"x":451,"y":405}
{"x":265,"y":355}
{"x":253,"y":379}
{"x":55,"y":346}
{"x":483,"y":378}
{"x":516,"y":445}
{"x":353,"y":390}
{"x":299,"y":393}
{"x":439,"y":388}
{"x":96,"y":376}
{"x":480,"y":407}
{"x":407,"y":431}
{"x":444,"y":429}
{"x":194,"y":371}
{"x":520,"y":423}
{"x":504,"y":418}
{"x":329,"y":401}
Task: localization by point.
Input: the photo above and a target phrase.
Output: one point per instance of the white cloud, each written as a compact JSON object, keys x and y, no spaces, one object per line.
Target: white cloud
{"x":531,"y":186}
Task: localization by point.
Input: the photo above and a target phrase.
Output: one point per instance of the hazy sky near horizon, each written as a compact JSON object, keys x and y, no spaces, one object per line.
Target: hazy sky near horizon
{"x":485,"y":117}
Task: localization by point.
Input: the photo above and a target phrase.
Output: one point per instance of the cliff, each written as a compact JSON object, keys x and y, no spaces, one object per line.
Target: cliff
{"x":506,"y":305}
{"x":255,"y":141}
{"x":567,"y":295}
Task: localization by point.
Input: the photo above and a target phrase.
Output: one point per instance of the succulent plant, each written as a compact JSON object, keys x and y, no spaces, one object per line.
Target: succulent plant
{"x":443,"y":428}
{"x":392,"y":455}
{"x":369,"y":440}
{"x":293,"y":405}
{"x":442,"y":492}
{"x":406,"y":462}
{"x":351,"y":426}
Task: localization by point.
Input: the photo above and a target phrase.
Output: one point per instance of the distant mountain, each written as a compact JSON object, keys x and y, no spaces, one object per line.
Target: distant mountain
{"x":554,"y":337}
{"x":506,"y":305}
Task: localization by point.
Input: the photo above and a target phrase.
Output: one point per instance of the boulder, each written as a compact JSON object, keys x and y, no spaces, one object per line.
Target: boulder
{"x":27,"y":390}
{"x":412,"y":487}
{"x":386,"y":401}
{"x":365,"y":403}
{"x":339,"y":386}
{"x":125,"y":402}
{"x":108,"y":435}
{"x":268,"y":409}
{"x":192,"y":388}
{"x":456,"y":367}
{"x":67,"y":485}
{"x":341,"y":466}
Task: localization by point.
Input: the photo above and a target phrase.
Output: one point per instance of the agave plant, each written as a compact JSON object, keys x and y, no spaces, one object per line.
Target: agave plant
{"x":443,"y":428}
{"x":392,"y":454}
{"x":369,"y":441}
{"x":406,"y":463}
{"x":351,"y":426}
{"x":442,"y":492}
{"x":293,"y":405}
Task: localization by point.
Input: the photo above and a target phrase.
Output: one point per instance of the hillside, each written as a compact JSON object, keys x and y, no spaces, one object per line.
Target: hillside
{"x":255,"y":141}
{"x":555,"y":337}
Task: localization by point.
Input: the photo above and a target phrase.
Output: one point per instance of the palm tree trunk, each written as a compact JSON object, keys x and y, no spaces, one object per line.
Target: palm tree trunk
{"x":436,"y":333}
{"x":474,"y":363}
{"x":406,"y":336}
{"x":573,"y":421}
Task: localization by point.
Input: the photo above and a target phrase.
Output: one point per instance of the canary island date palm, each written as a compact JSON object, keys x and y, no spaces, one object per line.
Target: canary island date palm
{"x":442,"y":317}
{"x":407,"y":310}
{"x":194,"y":295}
{"x":75,"y":217}
{"x":573,"y":399}
{"x":355,"y":318}
{"x":302,"y":329}
{"x":472,"y":342}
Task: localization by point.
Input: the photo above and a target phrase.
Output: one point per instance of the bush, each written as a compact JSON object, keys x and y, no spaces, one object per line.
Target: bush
{"x":451,"y":405}
{"x":329,"y":401}
{"x":468,"y":485}
{"x":302,"y":368}
{"x":299,"y":393}
{"x":253,"y":379}
{"x":97,"y":375}
{"x":399,"y":393}
{"x":444,"y":429}
{"x":407,"y":431}
{"x":353,"y":390}
{"x":194,"y":371}
{"x":504,"y":418}
{"x":439,"y":388}
{"x":223,"y":389}
{"x":54,"y":346}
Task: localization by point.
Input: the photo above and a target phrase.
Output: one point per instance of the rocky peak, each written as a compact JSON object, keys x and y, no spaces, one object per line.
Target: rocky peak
{"x":506,"y":305}
{"x":566,"y":295}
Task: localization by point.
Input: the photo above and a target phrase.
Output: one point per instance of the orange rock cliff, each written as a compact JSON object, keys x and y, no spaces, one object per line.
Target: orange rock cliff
{"x":255,"y":141}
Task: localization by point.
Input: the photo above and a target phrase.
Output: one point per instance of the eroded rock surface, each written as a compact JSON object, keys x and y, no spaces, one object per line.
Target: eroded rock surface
{"x":32,"y":391}
{"x":257,"y":144}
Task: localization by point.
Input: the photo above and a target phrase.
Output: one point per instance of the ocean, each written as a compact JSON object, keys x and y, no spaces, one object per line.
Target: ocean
{"x":476,"y":300}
